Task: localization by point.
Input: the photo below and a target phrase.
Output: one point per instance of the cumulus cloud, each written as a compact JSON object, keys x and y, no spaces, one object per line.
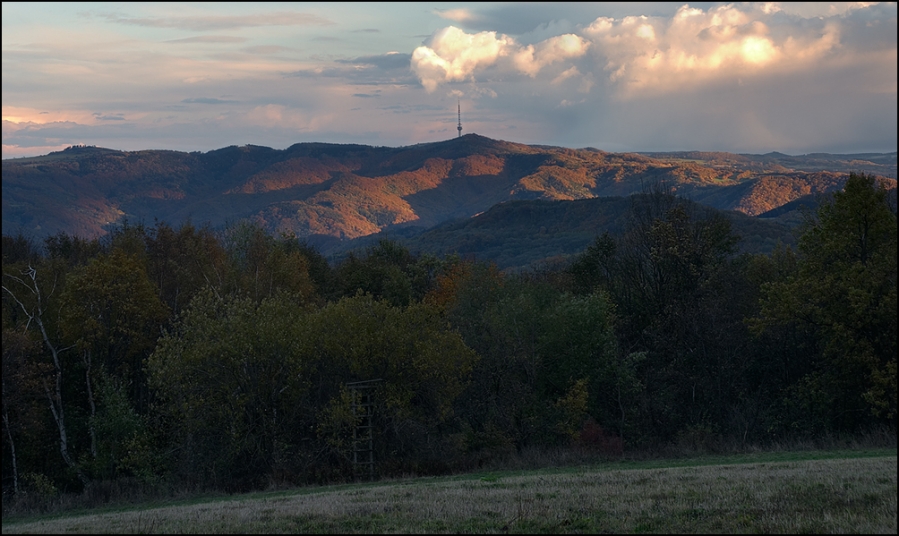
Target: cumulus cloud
{"x":531,"y":59}
{"x":452,"y":55}
{"x":656,"y":54}
{"x":650,"y":54}
{"x":619,"y":76}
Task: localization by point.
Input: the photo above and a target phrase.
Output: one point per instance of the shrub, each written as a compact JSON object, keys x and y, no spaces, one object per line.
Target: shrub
{"x":593,"y":437}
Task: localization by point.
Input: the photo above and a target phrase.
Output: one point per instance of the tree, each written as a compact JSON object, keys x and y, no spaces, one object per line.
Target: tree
{"x":261,"y":265}
{"x":424,"y":366}
{"x":255,"y":389}
{"x":182,"y":261}
{"x":231,"y":379}
{"x":548,"y":358}
{"x":389,"y":271}
{"x":30,"y":296}
{"x":844,"y":292}
{"x":112,"y":313}
{"x":20,"y":391}
{"x":666,"y":275}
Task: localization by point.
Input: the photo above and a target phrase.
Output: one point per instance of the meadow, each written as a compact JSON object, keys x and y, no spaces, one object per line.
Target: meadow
{"x":849,"y":491}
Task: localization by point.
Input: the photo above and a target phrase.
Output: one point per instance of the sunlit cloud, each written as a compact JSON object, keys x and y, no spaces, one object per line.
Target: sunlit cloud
{"x":658,"y":55}
{"x":451,"y":55}
{"x":649,"y":55}
{"x":23,"y":115}
{"x":460,"y":15}
{"x":531,"y":59}
{"x":740,"y":76}
{"x":17,"y":151}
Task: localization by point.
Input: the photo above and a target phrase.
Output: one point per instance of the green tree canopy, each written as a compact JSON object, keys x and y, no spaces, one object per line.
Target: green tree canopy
{"x":255,"y":388}
{"x":844,"y":292}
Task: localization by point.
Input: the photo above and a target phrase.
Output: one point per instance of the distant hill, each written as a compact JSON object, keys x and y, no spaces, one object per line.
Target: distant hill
{"x":525,"y":234}
{"x":331,"y":193}
{"x":883,"y":164}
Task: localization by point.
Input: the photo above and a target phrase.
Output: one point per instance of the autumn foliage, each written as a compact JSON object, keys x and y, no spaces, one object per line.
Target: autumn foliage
{"x":219,"y":359}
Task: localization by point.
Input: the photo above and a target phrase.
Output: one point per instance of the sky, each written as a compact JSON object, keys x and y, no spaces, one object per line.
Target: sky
{"x":708,"y":76}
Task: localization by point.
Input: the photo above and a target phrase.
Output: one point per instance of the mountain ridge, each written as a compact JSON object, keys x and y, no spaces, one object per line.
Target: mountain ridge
{"x":334,"y":192}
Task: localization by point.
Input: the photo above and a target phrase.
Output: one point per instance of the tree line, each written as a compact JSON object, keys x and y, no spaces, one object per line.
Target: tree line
{"x":219,"y":359}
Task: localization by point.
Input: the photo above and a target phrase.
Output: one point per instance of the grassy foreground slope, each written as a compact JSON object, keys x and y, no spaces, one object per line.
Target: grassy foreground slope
{"x":844,"y":492}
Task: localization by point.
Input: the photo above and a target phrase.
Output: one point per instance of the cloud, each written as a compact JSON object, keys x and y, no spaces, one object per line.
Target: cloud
{"x":17,"y":151}
{"x":739,"y":77}
{"x":389,"y":69}
{"x":264,"y":50}
{"x":279,"y":116}
{"x":519,"y":19}
{"x":451,"y":55}
{"x":223,"y":22}
{"x":109,"y":117}
{"x":659,"y":54}
{"x":390,"y":60}
{"x":24,"y":115}
{"x":531,"y":59}
{"x":459,"y":15}
{"x":207,"y":100}
{"x":644,"y":55}
{"x":810,"y":10}
{"x":209,"y":39}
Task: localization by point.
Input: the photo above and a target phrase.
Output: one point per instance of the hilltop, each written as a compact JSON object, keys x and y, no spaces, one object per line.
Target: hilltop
{"x":329,"y":193}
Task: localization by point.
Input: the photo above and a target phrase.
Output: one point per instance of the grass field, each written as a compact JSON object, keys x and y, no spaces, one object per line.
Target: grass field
{"x":807,"y":492}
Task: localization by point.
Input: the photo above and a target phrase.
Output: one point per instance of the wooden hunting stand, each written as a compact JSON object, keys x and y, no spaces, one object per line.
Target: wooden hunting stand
{"x":363,"y":431}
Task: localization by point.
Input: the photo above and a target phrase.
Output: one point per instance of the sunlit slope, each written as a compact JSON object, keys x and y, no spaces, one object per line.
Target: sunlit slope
{"x":338,"y":192}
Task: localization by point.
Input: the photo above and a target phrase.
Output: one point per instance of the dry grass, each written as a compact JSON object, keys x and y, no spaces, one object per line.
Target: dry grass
{"x":836,"y":495}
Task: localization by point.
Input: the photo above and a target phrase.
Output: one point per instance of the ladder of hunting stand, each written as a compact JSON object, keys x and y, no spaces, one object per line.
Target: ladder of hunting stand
{"x":363,"y":432}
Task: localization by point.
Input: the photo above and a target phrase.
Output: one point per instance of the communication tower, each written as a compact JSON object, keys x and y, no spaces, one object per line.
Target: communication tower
{"x":459,"y":110}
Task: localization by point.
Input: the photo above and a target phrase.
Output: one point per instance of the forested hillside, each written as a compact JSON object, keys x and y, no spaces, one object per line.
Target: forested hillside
{"x":189,"y":357}
{"x":526,"y":234}
{"x":329,"y":193}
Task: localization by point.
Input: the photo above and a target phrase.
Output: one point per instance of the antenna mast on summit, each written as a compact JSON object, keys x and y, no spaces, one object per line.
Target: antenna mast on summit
{"x":459,"y":109}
